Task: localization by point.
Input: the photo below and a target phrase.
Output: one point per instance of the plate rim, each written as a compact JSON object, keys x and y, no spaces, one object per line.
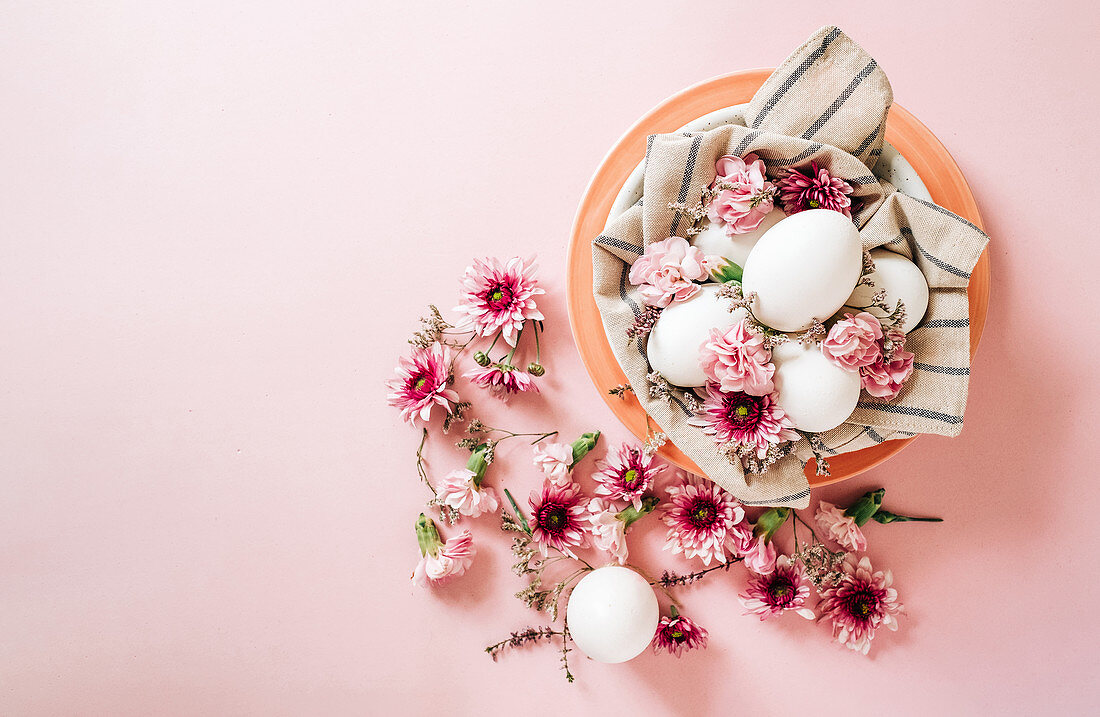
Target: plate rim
{"x":920,"y":147}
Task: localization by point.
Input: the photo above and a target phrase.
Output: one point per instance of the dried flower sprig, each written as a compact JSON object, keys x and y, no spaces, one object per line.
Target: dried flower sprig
{"x":644,"y":323}
{"x":529,"y":636}
{"x":621,"y":390}
{"x":670,"y":579}
{"x":432,"y":329}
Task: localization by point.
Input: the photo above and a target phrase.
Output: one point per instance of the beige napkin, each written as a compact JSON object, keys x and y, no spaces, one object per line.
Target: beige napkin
{"x":827,"y":103}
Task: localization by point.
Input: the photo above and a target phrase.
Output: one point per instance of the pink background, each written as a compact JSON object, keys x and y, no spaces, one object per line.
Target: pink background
{"x":219,"y":225}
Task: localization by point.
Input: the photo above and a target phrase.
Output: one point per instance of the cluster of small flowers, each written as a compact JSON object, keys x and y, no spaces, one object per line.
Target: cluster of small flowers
{"x":859,"y":343}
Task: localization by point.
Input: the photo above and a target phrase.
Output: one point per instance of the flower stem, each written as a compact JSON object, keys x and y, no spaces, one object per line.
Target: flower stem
{"x":508,"y":359}
{"x":420,"y":462}
{"x":808,"y":526}
{"x":538,"y":348}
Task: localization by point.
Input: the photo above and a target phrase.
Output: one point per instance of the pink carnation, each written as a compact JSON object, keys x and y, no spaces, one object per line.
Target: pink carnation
{"x":666,"y":271}
{"x":457,"y":491}
{"x":853,"y":342}
{"x":842,"y":529}
{"x":737,"y":360}
{"x":554,"y":459}
{"x":884,"y":379}
{"x":744,"y":195}
{"x":499,"y":297}
{"x":608,"y":531}
{"x":451,"y":560}
{"x":757,"y":554}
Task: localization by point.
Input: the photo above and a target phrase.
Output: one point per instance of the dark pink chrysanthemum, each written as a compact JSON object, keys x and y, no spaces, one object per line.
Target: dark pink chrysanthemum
{"x":422,"y":383}
{"x":499,"y":296}
{"x":678,"y":633}
{"x":743,"y":420}
{"x":701,"y":518}
{"x":559,"y":519}
{"x":784,"y":589}
{"x":816,"y":190}
{"x":502,"y":380}
{"x":626,"y":475}
{"x":860,"y":603}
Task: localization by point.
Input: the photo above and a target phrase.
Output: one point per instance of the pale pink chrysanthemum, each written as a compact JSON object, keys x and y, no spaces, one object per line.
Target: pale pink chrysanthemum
{"x":743,"y":420}
{"x":457,"y":491}
{"x":452,"y":559}
{"x":859,"y":604}
{"x":816,"y":190}
{"x":559,"y":519}
{"x":701,"y":519}
{"x":502,"y":380}
{"x":737,"y":360}
{"x":626,"y":475}
{"x":676,"y":633}
{"x":785,"y":588}
{"x":841,"y":529}
{"x":422,"y":383}
{"x":554,"y":460}
{"x":608,"y":531}
{"x":498,"y":296}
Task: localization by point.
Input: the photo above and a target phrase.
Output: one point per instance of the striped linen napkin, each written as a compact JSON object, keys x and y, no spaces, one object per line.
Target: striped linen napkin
{"x":827,"y":103}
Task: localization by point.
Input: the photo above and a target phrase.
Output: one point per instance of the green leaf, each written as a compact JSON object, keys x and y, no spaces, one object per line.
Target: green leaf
{"x":519,"y":513}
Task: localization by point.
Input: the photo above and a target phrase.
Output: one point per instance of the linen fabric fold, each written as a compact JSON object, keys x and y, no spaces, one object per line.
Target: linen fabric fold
{"x":827,"y":103}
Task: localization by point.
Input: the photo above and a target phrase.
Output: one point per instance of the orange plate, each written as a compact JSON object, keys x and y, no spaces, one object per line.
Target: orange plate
{"x":911,"y":138}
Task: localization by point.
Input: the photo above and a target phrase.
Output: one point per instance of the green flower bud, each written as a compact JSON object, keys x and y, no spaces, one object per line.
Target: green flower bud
{"x":477,"y":463}
{"x":482,"y":358}
{"x":630,"y":514}
{"x":583,"y":445}
{"x":535,"y":369}
{"x":428,"y":536}
{"x":865,"y":508}
{"x":769,"y":522}
{"x":727,"y":272}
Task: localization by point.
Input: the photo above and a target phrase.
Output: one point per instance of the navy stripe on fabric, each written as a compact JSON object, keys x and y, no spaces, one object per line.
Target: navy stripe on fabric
{"x":619,"y":243}
{"x":869,"y":179}
{"x":805,"y":154}
{"x":839,"y":101}
{"x":784,"y":499}
{"x":949,"y":213}
{"x":685,"y":184}
{"x":947,"y":370}
{"x":947,"y":324}
{"x":874,"y":435}
{"x":867,"y":142}
{"x":746,"y":141}
{"x":941,"y":263}
{"x":912,"y":411}
{"x":798,"y":72}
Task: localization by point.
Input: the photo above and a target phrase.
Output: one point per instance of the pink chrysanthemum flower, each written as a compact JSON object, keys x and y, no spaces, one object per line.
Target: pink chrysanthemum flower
{"x":743,"y":420}
{"x":502,"y":380}
{"x":450,"y":560}
{"x":554,"y":460}
{"x":677,"y":633}
{"x":816,"y":190}
{"x":499,"y":296}
{"x":701,"y":518}
{"x":559,"y":519}
{"x":786,"y":588}
{"x":608,"y":530}
{"x":626,"y":475}
{"x":841,"y":529}
{"x":859,"y":604}
{"x":422,"y":383}
{"x":457,"y":491}
{"x":737,"y":360}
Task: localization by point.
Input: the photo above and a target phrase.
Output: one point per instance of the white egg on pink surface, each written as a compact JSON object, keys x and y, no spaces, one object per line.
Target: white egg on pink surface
{"x":803,"y":268}
{"x":903,"y":282}
{"x":674,"y":341}
{"x":714,"y":240}
{"x":612,"y":614}
{"x":814,"y":392}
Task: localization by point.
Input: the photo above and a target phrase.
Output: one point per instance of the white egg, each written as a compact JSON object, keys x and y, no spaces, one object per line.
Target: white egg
{"x":714,"y":240}
{"x":804,"y":267}
{"x":813,"y":391}
{"x":903,"y":282}
{"x":612,"y":614}
{"x":674,"y":341}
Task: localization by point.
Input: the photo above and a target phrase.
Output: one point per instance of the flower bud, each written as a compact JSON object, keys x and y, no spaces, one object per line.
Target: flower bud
{"x":630,"y":514}
{"x":582,"y":446}
{"x":428,"y":536}
{"x":478,"y":462}
{"x":769,"y":522}
{"x":535,"y":369}
{"x":865,"y":508}
{"x":727,"y":272}
{"x":482,"y":358}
